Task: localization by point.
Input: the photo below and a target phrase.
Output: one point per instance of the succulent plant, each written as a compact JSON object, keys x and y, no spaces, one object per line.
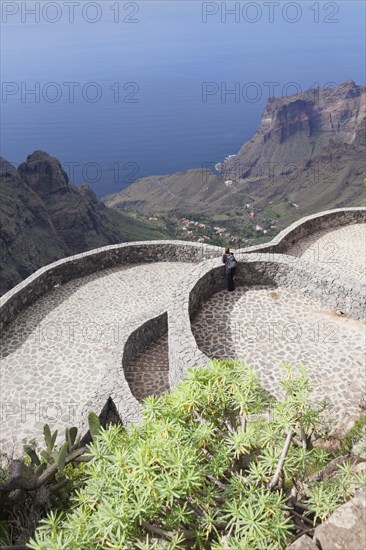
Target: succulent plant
{"x":94,"y":425}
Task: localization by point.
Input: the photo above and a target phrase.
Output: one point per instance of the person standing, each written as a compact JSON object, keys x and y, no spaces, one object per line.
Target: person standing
{"x":230,"y":266}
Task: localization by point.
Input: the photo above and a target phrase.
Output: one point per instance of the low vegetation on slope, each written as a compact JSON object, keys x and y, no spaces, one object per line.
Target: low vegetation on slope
{"x":217,"y":463}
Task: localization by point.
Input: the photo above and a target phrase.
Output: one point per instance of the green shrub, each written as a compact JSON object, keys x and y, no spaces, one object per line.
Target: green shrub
{"x":355,"y":436}
{"x":325,"y":496}
{"x":206,"y":469}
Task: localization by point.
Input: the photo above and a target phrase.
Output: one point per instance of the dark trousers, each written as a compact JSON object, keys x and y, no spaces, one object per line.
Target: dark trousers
{"x":230,"y":279}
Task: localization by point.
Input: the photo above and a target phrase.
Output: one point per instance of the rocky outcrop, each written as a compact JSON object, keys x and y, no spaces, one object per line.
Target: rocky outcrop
{"x":6,"y":167}
{"x":303,"y":543}
{"x":345,"y":529}
{"x":300,"y":128}
{"x":44,"y":174}
{"x":43,"y":218}
{"x":28,"y":238}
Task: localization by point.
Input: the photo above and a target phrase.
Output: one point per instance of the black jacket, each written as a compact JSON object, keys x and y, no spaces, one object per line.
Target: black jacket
{"x":225,"y":260}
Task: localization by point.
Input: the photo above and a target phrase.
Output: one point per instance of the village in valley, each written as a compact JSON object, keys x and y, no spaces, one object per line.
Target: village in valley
{"x":218,"y":234}
{"x":244,"y":229}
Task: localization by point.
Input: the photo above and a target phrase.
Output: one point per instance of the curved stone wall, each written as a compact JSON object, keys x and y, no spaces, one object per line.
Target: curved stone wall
{"x":308,"y":225}
{"x":264,"y":269}
{"x":125,"y":405}
{"x":150,"y":331}
{"x":62,"y":271}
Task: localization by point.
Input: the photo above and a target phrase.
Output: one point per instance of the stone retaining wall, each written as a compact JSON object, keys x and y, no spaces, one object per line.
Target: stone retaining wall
{"x":140,"y":338}
{"x":263,"y":269}
{"x":62,"y":271}
{"x":119,"y":400}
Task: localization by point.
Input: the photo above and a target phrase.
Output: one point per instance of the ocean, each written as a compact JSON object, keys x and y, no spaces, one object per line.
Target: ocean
{"x":121,"y":90}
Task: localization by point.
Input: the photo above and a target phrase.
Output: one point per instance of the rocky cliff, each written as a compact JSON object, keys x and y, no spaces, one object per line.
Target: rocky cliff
{"x":43,"y":218}
{"x":301,"y":128}
{"x":308,"y":152}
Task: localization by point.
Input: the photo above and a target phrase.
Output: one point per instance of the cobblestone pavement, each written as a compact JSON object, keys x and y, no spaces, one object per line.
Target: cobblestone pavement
{"x":341,"y":250}
{"x":148,"y":372}
{"x":55,"y":355}
{"x":56,"y":351}
{"x":266,"y":327}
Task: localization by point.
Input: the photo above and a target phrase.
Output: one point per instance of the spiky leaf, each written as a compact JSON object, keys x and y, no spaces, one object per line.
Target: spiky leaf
{"x":53,"y":439}
{"x":71,"y":436}
{"x":46,"y":455}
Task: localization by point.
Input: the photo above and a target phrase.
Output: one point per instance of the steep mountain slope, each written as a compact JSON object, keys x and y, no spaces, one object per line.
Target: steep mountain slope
{"x":43,"y":218}
{"x":309,"y":150}
{"x":303,"y":125}
{"x":189,"y":191}
{"x":28,"y":238}
{"x":311,"y":146}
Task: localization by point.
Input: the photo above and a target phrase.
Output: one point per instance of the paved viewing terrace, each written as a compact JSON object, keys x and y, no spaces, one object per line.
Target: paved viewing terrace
{"x":56,"y":352}
{"x":66,"y":352}
{"x":342,"y":250}
{"x":268,"y":327}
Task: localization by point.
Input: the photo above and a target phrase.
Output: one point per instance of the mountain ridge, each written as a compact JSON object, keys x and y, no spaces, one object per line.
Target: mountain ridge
{"x":43,"y":218}
{"x":308,"y":150}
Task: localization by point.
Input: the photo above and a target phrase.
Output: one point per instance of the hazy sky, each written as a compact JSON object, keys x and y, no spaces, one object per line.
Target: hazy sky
{"x":175,"y":32}
{"x":169,"y":50}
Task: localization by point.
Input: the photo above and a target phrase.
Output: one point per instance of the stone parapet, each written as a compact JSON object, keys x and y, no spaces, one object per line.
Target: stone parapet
{"x":80,"y":265}
{"x":262,"y":269}
{"x":308,"y":225}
